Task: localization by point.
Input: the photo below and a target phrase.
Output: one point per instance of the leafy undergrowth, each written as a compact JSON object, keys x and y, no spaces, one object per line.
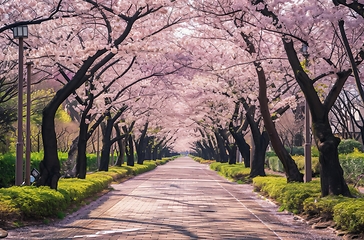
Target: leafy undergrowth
{"x":304,"y":199}
{"x":26,"y":205}
{"x":201,"y":160}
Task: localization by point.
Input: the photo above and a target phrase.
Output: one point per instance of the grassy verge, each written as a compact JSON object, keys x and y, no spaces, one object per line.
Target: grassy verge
{"x":22,"y":204}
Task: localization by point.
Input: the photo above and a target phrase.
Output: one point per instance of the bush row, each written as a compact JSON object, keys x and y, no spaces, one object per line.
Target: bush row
{"x":7,"y":165}
{"x":304,"y":198}
{"x":346,"y":146}
{"x":201,"y":160}
{"x":236,"y":172}
{"x":20,"y":203}
{"x":352,"y":164}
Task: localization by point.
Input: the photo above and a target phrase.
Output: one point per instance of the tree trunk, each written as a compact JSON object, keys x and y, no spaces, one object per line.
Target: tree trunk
{"x":290,"y":166}
{"x":331,"y":173}
{"x":140,"y":145}
{"x":232,"y":154}
{"x":106,"y":146}
{"x":244,"y":148}
{"x":148,"y":150}
{"x":221,"y":147}
{"x":130,"y":151}
{"x":291,"y":170}
{"x":121,"y":144}
{"x":258,"y":164}
{"x":81,"y":162}
{"x":71,"y":160}
{"x":49,"y":167}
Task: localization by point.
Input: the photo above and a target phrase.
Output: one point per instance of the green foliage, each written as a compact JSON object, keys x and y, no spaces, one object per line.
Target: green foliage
{"x":294,"y":194}
{"x":236,"y":172}
{"x":315,"y":164}
{"x":296,"y":150}
{"x":270,"y":185}
{"x":40,"y":202}
{"x":315,"y":152}
{"x":7,"y":165}
{"x":275,"y":164}
{"x":147,"y":166}
{"x":269,"y":154}
{"x":304,"y":198}
{"x":202,"y":161}
{"x":353,"y":166}
{"x":349,"y":215}
{"x":35,"y":202}
{"x":348,"y":145}
{"x":7,"y":169}
{"x":322,"y":207}
{"x":216,"y":166}
{"x":290,"y":196}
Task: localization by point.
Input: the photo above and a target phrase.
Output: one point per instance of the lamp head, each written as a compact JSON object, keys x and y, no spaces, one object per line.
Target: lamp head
{"x":20,"y":31}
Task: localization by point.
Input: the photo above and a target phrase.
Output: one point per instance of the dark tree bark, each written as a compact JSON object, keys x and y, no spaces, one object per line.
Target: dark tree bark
{"x":81,"y":161}
{"x":107,"y":142}
{"x":121,"y":144}
{"x":157,"y":149}
{"x":149,"y":148}
{"x":290,"y":167}
{"x":212,"y":146}
{"x":129,"y":144}
{"x":49,"y":167}
{"x":331,"y":173}
{"x":208,"y":147}
{"x":140,"y":145}
{"x":221,"y":147}
{"x":237,"y":133}
{"x":106,"y":145}
{"x":130,"y":151}
{"x":261,"y":142}
{"x":230,"y":147}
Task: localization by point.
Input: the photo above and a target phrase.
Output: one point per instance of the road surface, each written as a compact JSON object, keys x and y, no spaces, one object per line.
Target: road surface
{"x":179,"y":200}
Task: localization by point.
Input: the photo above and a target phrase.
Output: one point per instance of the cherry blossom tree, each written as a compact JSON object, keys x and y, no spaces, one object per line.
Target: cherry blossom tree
{"x":107,"y":27}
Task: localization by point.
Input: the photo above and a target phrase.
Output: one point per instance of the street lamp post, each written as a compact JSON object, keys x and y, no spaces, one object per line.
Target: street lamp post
{"x":308,"y":163}
{"x":27,"y":142}
{"x":20,"y":32}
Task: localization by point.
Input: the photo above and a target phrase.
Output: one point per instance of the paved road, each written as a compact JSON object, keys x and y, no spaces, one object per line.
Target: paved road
{"x":180,"y":200}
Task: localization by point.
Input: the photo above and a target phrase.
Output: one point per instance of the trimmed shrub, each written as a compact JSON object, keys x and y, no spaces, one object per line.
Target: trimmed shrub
{"x":275,"y":164}
{"x":353,"y":166}
{"x":216,"y":166}
{"x":304,"y":198}
{"x":235,"y":172}
{"x":34,"y":202}
{"x":349,"y":215}
{"x":348,"y":145}
{"x":315,"y":164}
{"x":41,"y":202}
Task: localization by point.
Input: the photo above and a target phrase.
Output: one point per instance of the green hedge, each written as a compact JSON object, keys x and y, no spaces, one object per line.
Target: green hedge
{"x":353,"y":166}
{"x":17,"y":203}
{"x":201,"y":160}
{"x":304,"y":198}
{"x":348,"y":146}
{"x":276,"y":165}
{"x":236,"y":172}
